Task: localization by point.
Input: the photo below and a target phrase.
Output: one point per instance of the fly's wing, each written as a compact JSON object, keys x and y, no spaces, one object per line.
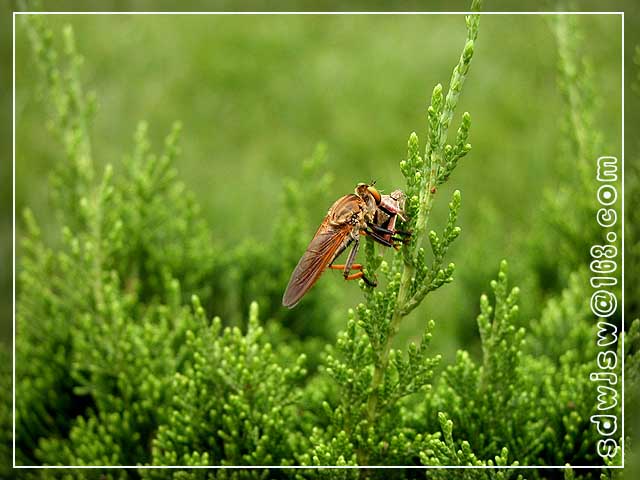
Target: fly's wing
{"x":328,"y":242}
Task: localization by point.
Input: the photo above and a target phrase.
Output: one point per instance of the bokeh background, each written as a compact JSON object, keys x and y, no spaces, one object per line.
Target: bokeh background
{"x":256,"y":94}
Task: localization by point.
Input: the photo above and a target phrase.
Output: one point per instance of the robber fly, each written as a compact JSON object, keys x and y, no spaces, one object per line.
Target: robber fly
{"x":365,"y":212}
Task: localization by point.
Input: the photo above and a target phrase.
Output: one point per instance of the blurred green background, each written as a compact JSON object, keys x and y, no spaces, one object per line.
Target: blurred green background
{"x":256,"y":94}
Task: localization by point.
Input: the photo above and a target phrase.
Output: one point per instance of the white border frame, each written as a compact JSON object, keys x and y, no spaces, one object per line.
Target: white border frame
{"x":245,"y":467}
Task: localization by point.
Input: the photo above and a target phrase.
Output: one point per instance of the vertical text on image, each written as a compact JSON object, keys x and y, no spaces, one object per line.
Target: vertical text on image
{"x":604,"y":303}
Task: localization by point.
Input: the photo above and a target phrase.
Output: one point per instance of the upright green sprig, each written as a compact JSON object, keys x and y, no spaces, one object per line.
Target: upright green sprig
{"x":373,"y":378}
{"x":577,"y":86}
{"x":72,"y":111}
{"x":411,"y":279}
{"x":501,"y":340}
{"x":491,"y":388}
{"x":581,"y":143}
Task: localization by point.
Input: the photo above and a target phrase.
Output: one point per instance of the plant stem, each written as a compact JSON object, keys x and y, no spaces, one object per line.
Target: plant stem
{"x":394,"y":326}
{"x":440,"y":114}
{"x":381,"y":365}
{"x":404,"y":293}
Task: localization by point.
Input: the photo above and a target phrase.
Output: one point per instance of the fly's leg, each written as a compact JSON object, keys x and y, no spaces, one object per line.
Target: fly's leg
{"x":378,"y":238}
{"x":386,"y":231}
{"x":355,"y":266}
{"x":349,"y":265}
{"x":355,"y":276}
{"x":379,"y":229}
{"x":386,"y":236}
{"x":352,"y":256}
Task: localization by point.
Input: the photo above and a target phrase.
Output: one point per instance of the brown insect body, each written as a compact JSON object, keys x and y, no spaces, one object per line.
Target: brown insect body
{"x":365,"y":212}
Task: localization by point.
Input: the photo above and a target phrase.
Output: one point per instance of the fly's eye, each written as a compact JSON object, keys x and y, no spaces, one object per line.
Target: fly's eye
{"x":376,"y":195}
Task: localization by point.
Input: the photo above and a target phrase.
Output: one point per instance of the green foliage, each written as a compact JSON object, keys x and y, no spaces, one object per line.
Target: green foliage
{"x":632,"y":220}
{"x":372,"y":377}
{"x":71,"y":114}
{"x":466,"y":384}
{"x":5,"y":414}
{"x":632,"y":295}
{"x":105,"y":311}
{"x":450,"y":453}
{"x":255,"y":270}
{"x":548,"y":394}
{"x":632,"y":239}
{"x":555,"y":257}
{"x":109,"y":297}
{"x":139,"y":339}
{"x":234,"y":402}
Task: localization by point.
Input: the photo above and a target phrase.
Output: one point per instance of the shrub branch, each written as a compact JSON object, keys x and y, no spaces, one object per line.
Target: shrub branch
{"x":416,"y":279}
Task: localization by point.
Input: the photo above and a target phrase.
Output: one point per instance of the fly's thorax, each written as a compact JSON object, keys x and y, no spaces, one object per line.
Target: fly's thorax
{"x":347,"y":210}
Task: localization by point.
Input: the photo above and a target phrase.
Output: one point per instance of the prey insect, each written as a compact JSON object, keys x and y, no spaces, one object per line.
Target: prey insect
{"x":390,"y":208}
{"x":365,"y":212}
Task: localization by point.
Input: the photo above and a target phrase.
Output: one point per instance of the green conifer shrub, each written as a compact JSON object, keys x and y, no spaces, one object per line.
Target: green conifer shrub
{"x":6,"y":413}
{"x":144,"y":340}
